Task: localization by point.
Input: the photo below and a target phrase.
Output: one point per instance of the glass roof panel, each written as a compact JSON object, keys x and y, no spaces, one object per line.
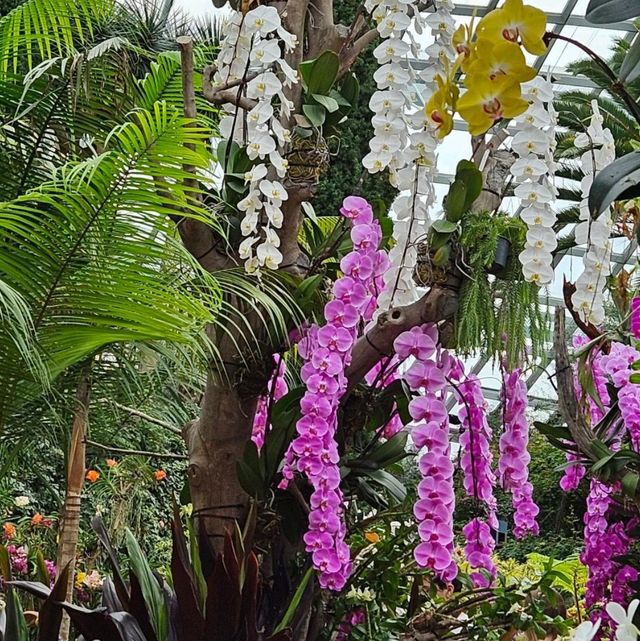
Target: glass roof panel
{"x":567,"y":18}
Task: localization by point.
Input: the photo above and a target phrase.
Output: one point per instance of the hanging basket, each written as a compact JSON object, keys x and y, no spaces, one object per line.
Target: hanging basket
{"x":503,"y":249}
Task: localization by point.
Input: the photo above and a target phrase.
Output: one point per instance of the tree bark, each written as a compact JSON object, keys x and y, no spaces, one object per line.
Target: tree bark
{"x":70,"y":519}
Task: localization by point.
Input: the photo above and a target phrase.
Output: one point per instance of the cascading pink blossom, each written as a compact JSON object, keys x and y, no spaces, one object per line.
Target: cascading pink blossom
{"x":478,"y":478}
{"x":635,"y":318}
{"x":478,"y":549}
{"x":427,"y":375}
{"x":513,"y":465}
{"x":617,"y":365}
{"x":276,"y":389}
{"x":475,"y":438}
{"x":605,"y":541}
{"x":327,"y":352}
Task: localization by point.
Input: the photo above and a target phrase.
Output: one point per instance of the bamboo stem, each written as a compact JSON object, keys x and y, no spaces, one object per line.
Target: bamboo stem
{"x":70,"y":513}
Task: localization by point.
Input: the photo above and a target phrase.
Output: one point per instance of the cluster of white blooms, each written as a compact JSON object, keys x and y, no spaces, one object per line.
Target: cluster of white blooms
{"x":251,"y":62}
{"x":534,"y":170}
{"x":599,"y":152}
{"x":405,"y":142}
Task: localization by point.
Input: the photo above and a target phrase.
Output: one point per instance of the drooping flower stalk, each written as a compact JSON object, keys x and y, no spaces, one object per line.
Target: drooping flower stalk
{"x":534,"y":170}
{"x":251,"y":62}
{"x":634,"y":321}
{"x":326,"y":352}
{"x":478,"y":549}
{"x":600,"y":151}
{"x":405,"y":141}
{"x":434,"y":509}
{"x":478,"y":478}
{"x":513,"y":465}
{"x":276,"y":389}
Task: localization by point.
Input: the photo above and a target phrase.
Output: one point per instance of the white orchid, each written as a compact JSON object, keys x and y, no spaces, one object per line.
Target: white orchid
{"x":391,"y":50}
{"x":262,"y":20}
{"x":256,"y":173}
{"x":260,"y":146}
{"x":266,"y":52}
{"x":586,"y":631}
{"x":530,"y":166}
{"x":595,"y":234}
{"x":245,"y":250}
{"x":538,"y":214}
{"x":269,"y":255}
{"x":264,"y":85}
{"x":626,"y":630}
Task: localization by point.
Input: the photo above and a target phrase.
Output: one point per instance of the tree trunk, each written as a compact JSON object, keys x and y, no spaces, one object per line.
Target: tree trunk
{"x":70,"y":514}
{"x":216,"y":442}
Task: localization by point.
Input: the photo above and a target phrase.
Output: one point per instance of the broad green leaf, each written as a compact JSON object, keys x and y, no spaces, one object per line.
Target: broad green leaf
{"x":454,"y":205}
{"x":151,"y":589}
{"x":629,"y":484}
{"x":630,"y":69}
{"x":350,"y":89}
{"x":443,"y":226}
{"x":319,"y":74}
{"x":607,"y":11}
{"x":618,"y":181}
{"x":315,"y":114}
{"x":329,"y":103}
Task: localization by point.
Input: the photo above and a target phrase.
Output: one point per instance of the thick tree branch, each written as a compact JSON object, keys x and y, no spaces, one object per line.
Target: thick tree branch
{"x":438,"y":304}
{"x":224,"y":94}
{"x":581,"y":432}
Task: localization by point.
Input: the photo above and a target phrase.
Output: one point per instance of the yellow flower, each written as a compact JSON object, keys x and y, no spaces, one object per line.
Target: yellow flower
{"x":80,"y":577}
{"x":462,"y":43}
{"x":441,"y":105}
{"x":515,"y":22}
{"x":500,"y":59}
{"x":372,"y":537}
{"x":488,"y":101}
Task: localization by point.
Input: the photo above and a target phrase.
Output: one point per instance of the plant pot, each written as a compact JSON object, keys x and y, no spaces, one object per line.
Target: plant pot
{"x":501,"y":258}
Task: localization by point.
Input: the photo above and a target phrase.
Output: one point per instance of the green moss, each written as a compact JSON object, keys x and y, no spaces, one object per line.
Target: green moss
{"x":494,"y":308}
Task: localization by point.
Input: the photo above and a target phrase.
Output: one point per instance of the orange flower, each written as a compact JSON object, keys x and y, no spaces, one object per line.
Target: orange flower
{"x":9,"y":530}
{"x":160,"y":475}
{"x":111,"y":462}
{"x":92,"y":476}
{"x":37,"y":519}
{"x":372,"y":537}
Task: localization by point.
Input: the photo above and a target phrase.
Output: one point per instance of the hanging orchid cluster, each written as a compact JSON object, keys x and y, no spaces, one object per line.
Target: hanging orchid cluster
{"x":405,"y":142}
{"x":534,"y":170}
{"x":599,"y":152}
{"x":276,"y":389}
{"x":434,"y":509}
{"x":326,"y":352}
{"x":251,"y":63}
{"x":513,"y":465}
{"x":478,"y":478}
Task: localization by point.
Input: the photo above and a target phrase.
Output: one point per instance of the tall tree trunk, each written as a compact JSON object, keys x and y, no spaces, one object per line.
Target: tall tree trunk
{"x":70,"y":519}
{"x":215,"y":443}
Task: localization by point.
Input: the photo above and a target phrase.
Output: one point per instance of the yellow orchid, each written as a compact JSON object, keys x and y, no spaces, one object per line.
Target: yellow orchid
{"x":498,"y":60}
{"x":487,"y":101}
{"x":463,"y":44}
{"x":441,"y":105}
{"x":515,"y":22}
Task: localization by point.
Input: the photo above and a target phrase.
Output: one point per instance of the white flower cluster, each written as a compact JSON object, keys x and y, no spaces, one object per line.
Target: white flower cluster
{"x":534,"y":170}
{"x":251,"y":62}
{"x":599,"y":152}
{"x":405,"y":142}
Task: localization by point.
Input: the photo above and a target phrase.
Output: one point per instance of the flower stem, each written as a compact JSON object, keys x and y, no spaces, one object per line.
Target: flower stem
{"x":617,"y":87}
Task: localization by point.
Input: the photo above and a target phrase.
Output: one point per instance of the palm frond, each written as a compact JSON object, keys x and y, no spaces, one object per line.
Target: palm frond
{"x":91,"y":252}
{"x":43,"y":29}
